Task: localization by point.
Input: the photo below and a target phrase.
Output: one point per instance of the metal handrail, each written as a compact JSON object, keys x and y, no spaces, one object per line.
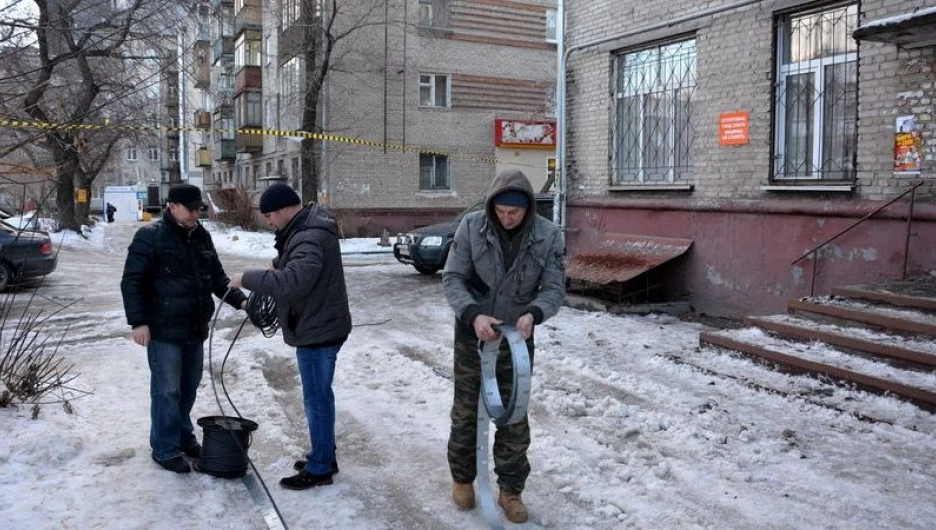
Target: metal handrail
{"x":911,"y":191}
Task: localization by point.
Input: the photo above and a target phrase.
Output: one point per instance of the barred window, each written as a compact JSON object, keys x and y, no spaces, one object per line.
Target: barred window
{"x":653,"y":130}
{"x":817,"y":97}
{"x":434,"y":172}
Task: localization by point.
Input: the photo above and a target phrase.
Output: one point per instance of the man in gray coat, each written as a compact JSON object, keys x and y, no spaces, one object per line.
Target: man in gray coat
{"x":307,"y":281}
{"x":506,"y":265}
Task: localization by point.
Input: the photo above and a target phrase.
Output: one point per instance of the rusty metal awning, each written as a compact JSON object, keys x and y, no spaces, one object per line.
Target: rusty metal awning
{"x":915,"y":29}
{"x":620,"y":257}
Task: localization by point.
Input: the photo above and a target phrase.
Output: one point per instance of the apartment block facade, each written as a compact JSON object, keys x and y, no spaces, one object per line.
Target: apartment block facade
{"x":424,"y":102}
{"x":740,"y":135}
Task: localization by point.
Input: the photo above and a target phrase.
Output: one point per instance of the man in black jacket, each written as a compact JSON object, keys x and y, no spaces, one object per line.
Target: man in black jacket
{"x":171,"y":271}
{"x":307,"y":281}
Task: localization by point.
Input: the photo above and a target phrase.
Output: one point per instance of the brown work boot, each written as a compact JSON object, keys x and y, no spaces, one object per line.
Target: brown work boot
{"x":463,"y":495}
{"x":514,"y":509}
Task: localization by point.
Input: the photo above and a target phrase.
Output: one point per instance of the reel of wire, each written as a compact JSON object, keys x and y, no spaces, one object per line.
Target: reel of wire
{"x":261,"y":310}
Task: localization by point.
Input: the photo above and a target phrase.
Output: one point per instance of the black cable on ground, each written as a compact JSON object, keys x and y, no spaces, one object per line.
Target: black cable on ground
{"x":263,"y":312}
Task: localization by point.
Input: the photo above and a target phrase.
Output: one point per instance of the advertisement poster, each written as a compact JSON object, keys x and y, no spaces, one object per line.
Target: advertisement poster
{"x":908,"y":147}
{"x":524,"y":133}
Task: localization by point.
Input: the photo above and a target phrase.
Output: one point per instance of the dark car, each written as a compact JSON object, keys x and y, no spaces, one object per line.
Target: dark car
{"x":427,"y":248}
{"x":24,"y":254}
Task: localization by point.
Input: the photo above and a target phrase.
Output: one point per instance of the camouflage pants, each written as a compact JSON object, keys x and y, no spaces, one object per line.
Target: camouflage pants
{"x":510,"y":441}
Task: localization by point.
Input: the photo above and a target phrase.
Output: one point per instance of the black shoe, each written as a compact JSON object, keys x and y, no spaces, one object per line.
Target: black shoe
{"x":305,"y":480}
{"x":193,"y":452}
{"x":299,"y":465}
{"x":176,"y":464}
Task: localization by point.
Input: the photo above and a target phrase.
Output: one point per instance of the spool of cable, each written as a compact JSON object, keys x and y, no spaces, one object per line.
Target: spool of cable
{"x":262,"y":312}
{"x":491,"y":407}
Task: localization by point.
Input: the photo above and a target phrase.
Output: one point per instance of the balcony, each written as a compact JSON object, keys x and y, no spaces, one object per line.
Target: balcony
{"x":248,"y":143}
{"x":202,"y":65}
{"x":202,"y":119}
{"x":223,"y":111}
{"x":223,"y":98}
{"x":221,"y":47}
{"x":249,"y":17}
{"x":224,"y":150}
{"x":248,"y":77}
{"x":170,"y":166}
{"x":203,"y":157}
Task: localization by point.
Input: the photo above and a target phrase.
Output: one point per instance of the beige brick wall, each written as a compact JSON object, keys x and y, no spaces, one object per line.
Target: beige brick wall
{"x":735,"y":72}
{"x":359,"y":104}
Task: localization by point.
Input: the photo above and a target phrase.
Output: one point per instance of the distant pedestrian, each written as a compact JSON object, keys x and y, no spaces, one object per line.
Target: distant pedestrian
{"x":307,"y":281}
{"x":111,"y":210}
{"x":171,"y":271}
{"x":506,"y":265}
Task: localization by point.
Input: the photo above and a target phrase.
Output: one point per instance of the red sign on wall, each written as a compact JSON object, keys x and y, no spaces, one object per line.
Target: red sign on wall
{"x":524,"y":133}
{"x":733,"y":128}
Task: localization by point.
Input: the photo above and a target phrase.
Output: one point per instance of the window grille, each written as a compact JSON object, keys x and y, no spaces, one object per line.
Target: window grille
{"x":816,"y":95}
{"x":653,"y":128}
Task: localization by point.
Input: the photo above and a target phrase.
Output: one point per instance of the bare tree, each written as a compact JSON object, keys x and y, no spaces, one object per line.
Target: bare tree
{"x":324,"y":25}
{"x":77,"y":62}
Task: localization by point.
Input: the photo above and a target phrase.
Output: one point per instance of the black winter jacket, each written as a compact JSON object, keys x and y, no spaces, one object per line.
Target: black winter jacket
{"x":168,"y":279}
{"x":307,"y":281}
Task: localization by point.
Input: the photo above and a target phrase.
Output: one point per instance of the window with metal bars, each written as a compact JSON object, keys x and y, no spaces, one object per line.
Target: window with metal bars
{"x":434,"y":172}
{"x":816,"y":96}
{"x":653,"y":129}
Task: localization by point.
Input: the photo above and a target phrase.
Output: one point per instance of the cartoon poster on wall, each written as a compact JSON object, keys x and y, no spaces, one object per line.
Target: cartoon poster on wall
{"x":908,"y":147}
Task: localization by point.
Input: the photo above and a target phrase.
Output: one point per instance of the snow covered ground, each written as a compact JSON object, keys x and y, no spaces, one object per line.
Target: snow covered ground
{"x":634,"y":426}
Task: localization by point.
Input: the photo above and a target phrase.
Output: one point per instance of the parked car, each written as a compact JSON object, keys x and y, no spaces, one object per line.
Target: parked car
{"x":29,"y":221}
{"x":427,"y":248}
{"x":24,"y":254}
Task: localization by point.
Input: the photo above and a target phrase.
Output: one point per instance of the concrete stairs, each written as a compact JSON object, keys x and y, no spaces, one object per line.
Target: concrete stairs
{"x":879,"y":339}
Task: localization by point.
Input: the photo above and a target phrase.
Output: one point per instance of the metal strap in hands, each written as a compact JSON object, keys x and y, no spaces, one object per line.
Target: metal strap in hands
{"x":492,"y":409}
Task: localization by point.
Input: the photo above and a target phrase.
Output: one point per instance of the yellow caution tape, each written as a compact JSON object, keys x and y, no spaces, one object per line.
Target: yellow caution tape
{"x":335,"y":138}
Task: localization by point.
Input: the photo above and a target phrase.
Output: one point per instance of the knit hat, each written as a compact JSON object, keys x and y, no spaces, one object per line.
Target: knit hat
{"x":187,"y":195}
{"x":277,"y":197}
{"x":512,"y":198}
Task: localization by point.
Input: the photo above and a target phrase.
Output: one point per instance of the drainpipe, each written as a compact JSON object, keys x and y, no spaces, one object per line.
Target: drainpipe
{"x":560,"y":200}
{"x":180,"y":119}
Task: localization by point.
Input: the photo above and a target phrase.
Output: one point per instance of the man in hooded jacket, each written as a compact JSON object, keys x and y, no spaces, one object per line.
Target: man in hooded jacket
{"x":506,"y":265}
{"x":307,"y":282}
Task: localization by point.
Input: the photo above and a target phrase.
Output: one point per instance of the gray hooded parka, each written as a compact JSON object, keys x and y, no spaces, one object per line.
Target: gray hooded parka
{"x":476,"y":280}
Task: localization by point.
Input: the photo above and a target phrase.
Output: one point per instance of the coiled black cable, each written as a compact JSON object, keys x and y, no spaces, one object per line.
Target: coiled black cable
{"x":262,"y":312}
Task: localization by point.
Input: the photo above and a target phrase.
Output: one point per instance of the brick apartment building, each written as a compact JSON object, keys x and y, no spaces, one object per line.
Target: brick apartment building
{"x":711,"y":144}
{"x":433,"y":76}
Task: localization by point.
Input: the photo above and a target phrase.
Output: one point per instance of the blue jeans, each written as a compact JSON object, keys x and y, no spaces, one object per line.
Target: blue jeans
{"x":317,"y":371}
{"x":175,"y":372}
